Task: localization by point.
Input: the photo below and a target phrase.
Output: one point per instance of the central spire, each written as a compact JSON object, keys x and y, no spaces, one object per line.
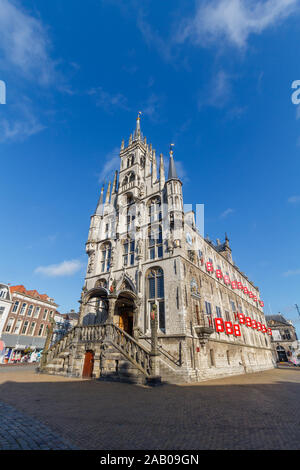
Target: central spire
{"x":137,"y":133}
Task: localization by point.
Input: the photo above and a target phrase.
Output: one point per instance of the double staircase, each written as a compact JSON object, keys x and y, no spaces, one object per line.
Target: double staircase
{"x":122,"y":358}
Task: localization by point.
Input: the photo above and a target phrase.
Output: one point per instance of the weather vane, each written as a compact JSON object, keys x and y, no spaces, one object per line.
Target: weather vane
{"x":171,"y":149}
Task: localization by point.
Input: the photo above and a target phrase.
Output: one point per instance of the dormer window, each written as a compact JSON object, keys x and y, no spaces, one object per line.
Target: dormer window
{"x":3,"y":293}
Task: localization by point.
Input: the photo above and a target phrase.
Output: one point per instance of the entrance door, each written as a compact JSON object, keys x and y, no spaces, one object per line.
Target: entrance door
{"x":88,"y":365}
{"x":282,"y":356}
{"x":126,"y":322}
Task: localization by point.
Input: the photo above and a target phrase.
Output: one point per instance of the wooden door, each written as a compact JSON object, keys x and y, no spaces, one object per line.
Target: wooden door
{"x":88,"y":365}
{"x":123,"y":321}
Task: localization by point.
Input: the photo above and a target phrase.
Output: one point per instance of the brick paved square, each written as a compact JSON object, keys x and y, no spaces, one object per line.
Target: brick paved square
{"x":254,"y":411}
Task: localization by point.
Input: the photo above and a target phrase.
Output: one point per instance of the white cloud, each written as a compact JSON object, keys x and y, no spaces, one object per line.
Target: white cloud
{"x":151,"y":107}
{"x":181,"y":172}
{"x":294,"y":199}
{"x":20,"y":123}
{"x":19,"y":129}
{"x":219,"y":91}
{"x":292,"y":272}
{"x":108,"y":101}
{"x":111,"y":164}
{"x":24,"y":44}
{"x":226,"y":213}
{"x":152,"y":37}
{"x":66,"y":268}
{"x":233,"y":20}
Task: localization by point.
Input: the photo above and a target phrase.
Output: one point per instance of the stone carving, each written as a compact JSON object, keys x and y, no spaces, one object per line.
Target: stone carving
{"x":139,"y":247}
{"x":91,"y":263}
{"x":113,"y":286}
{"x":170,"y":244}
{"x":192,"y":256}
{"x":101,"y":283}
{"x":194,"y":287}
{"x":142,"y":190}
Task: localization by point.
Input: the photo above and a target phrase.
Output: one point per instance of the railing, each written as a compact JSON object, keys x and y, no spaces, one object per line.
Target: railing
{"x":62,"y":344}
{"x":131,"y":349}
{"x":177,"y":362}
{"x":204,"y":328}
{"x":92,"y":332}
{"x":127,"y":345}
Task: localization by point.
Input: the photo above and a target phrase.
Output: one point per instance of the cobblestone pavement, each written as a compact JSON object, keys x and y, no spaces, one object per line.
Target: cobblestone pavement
{"x":253,"y":411}
{"x":19,"y":431}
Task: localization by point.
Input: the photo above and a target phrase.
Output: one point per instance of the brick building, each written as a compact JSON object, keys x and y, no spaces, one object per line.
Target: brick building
{"x":158,"y":298}
{"x":5,"y":305}
{"x":25,"y":326}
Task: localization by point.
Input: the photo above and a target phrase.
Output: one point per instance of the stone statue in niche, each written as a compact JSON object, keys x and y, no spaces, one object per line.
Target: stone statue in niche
{"x":139,"y":247}
{"x":142,"y":190}
{"x":91,"y":263}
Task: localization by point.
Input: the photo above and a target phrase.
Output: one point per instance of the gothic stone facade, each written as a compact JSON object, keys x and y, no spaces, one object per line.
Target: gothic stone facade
{"x":146,"y":257}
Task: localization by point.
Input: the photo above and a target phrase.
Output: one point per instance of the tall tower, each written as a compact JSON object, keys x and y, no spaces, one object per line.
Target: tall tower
{"x":175,"y":200}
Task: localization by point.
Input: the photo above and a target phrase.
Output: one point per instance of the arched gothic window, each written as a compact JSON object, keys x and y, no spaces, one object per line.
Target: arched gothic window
{"x":156,"y":296}
{"x":131,"y":213}
{"x":105,"y":257}
{"x":129,"y":199}
{"x":155,"y":242}
{"x":154,"y":210}
{"x":101,"y":311}
{"x":130,"y":161}
{"x":128,"y":252}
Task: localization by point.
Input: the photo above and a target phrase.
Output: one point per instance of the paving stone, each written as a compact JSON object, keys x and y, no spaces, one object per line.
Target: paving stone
{"x":14,"y":432}
{"x":253,"y":411}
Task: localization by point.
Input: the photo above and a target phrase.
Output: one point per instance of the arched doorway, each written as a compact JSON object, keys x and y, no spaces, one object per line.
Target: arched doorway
{"x":124,"y":312}
{"x":95,"y":307}
{"x":88,"y":365}
{"x":281,"y":353}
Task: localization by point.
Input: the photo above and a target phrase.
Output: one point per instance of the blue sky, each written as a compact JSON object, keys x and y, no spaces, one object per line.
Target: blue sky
{"x":213,"y":77}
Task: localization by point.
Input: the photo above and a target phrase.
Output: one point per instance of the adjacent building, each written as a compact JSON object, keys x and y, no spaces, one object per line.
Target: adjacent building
{"x":64,"y":322}
{"x":25,"y":326}
{"x":284,"y":338}
{"x":5,"y":305}
{"x":159,"y":300}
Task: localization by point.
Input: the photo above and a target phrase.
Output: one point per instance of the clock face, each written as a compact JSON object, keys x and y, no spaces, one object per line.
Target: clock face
{"x":189,"y":238}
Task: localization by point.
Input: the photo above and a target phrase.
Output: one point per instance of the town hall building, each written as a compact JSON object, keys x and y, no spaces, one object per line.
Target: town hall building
{"x":160,"y":302}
